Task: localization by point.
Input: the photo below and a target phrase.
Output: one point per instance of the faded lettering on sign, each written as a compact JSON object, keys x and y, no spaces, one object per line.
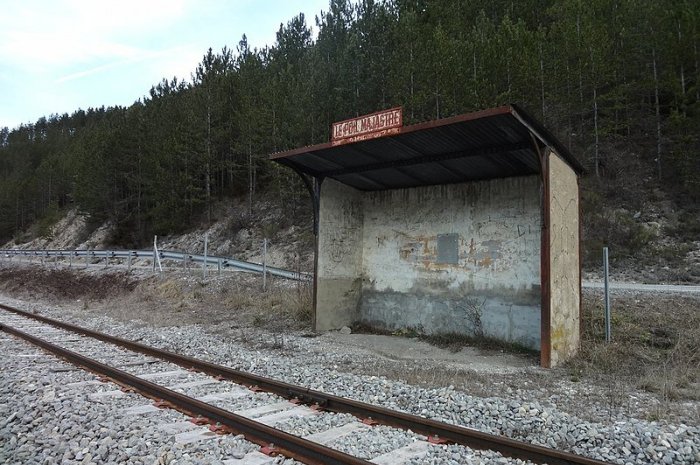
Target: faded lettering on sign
{"x":377,"y":124}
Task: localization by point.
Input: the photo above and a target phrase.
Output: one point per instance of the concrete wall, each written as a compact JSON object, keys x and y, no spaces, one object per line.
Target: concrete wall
{"x":487,"y":264}
{"x":340,"y":256}
{"x":564,"y":259}
{"x":460,"y":258}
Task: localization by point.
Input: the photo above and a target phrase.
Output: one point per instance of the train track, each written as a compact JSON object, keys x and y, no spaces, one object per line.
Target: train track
{"x":256,"y":423}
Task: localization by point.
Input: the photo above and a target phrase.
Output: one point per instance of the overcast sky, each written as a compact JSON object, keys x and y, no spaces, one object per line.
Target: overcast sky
{"x":60,"y":55}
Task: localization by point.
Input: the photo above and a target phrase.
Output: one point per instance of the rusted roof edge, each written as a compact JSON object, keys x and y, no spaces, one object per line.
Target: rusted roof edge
{"x":543,"y":134}
{"x":537,"y":129}
{"x":405,"y":129}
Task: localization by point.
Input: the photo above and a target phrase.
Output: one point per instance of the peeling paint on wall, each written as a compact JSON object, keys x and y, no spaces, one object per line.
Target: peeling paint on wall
{"x":387,"y":241}
{"x":497,"y":224}
{"x":497,"y":228}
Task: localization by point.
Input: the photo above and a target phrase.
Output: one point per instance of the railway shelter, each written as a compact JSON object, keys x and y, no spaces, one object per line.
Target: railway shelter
{"x":466,"y":225}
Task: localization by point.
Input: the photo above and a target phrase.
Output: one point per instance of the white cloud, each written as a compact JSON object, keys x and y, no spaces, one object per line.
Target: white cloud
{"x":58,"y":56}
{"x":178,"y":60}
{"x":40,"y":35}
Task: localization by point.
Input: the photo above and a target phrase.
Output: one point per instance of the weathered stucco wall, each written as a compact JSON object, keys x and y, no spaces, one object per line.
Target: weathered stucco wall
{"x":564,"y":258}
{"x":460,"y":258}
{"x":339,"y":256}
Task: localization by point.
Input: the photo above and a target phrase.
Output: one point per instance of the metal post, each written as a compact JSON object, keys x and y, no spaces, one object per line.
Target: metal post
{"x":87,"y":258}
{"x":264,"y":264}
{"x":608,"y":334}
{"x":204,"y":265}
{"x":70,"y":259}
{"x":156,"y":255}
{"x":218,"y":264}
{"x":128,"y":261}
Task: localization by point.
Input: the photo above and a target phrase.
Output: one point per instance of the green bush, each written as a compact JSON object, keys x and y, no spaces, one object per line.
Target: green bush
{"x":617,"y":230}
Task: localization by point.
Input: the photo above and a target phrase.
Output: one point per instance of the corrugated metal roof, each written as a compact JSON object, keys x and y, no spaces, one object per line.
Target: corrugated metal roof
{"x":487,"y":144}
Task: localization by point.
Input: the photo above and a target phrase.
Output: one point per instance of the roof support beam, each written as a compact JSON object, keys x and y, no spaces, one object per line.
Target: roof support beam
{"x":403,"y":172}
{"x":493,"y":150}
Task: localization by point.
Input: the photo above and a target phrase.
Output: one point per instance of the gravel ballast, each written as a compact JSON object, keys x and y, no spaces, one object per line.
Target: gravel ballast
{"x":31,"y":417}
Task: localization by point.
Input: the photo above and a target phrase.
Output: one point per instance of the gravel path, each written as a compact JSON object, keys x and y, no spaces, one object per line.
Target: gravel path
{"x":24,"y":383}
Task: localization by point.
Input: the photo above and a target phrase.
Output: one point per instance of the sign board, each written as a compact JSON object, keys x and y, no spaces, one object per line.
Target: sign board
{"x":381,"y":123}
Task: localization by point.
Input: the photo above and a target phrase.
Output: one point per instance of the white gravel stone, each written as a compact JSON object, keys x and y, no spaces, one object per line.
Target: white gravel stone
{"x":36,"y":400}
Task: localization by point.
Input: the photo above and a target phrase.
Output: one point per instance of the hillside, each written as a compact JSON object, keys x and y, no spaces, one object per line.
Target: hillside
{"x":665,"y":258}
{"x":231,"y":233}
{"x":618,"y":82}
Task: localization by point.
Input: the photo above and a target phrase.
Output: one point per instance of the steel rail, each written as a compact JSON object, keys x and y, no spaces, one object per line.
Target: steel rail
{"x":451,"y":433}
{"x":284,"y":443}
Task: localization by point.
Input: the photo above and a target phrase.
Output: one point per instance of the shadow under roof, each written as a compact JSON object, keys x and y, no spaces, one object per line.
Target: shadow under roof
{"x":487,"y":144}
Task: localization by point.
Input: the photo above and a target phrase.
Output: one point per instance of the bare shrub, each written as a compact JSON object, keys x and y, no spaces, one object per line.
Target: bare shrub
{"x":474,"y":310}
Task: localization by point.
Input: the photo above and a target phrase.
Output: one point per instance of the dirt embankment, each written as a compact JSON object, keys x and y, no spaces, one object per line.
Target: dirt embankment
{"x":234,"y":232}
{"x":62,"y":285}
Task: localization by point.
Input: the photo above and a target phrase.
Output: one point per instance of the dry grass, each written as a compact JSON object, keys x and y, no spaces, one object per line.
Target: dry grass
{"x":237,"y":301}
{"x":233,"y":299}
{"x":655,"y":345}
{"x":64,"y":284}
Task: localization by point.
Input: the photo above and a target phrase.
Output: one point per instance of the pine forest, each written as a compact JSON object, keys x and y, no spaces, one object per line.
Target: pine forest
{"x":617,"y":81}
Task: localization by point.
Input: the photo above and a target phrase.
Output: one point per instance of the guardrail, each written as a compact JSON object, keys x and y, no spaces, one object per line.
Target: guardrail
{"x":219,"y":262}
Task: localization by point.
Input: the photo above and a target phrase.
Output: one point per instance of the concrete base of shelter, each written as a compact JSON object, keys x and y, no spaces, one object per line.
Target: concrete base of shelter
{"x":491,"y":317}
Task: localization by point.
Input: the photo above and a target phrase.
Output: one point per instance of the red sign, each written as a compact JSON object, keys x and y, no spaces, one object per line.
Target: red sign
{"x":381,"y":123}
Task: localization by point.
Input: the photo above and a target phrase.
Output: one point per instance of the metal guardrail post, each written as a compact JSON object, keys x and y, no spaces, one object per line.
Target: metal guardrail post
{"x":608,"y":334}
{"x":204,"y":262}
{"x":264,"y":264}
